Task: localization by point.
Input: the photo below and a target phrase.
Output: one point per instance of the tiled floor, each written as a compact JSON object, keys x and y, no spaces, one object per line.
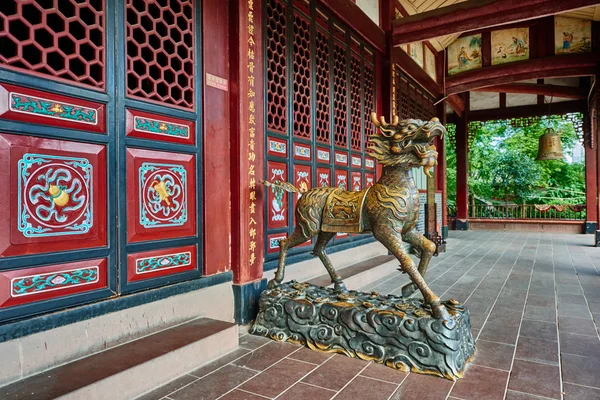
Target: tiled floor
{"x":535,"y":307}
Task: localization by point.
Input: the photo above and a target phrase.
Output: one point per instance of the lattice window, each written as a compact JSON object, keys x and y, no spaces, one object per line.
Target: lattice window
{"x":58,"y":38}
{"x":301,"y":77}
{"x":276,"y":67}
{"x":322,"y":87}
{"x":355,"y":104}
{"x":340,"y":96}
{"x":160,"y":51}
{"x":410,"y":101}
{"x":369,"y":95}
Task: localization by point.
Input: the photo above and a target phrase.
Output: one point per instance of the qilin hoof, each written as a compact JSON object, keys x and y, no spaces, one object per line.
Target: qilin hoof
{"x":273,"y":283}
{"x":408,"y":289}
{"x":339,"y":287}
{"x":439,"y":312}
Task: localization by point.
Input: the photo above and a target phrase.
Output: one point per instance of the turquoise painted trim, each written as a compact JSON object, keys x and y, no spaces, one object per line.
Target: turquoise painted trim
{"x":160,"y":127}
{"x":52,"y":109}
{"x":22,"y":286}
{"x":151,"y":264}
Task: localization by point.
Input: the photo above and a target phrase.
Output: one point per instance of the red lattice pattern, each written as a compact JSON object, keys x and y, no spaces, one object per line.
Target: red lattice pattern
{"x":369,"y":100}
{"x":276,"y":65}
{"x":301,"y":77}
{"x":160,"y":51}
{"x":322,"y":87}
{"x":340,"y":96}
{"x":411,"y":102}
{"x":355,"y":103}
{"x":58,"y":38}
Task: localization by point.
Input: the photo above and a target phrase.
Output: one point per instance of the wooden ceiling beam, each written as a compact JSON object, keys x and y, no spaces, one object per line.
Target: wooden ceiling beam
{"x":565,"y":92}
{"x":457,"y":104}
{"x":547,"y":67}
{"x":536,"y":110}
{"x":476,"y":14}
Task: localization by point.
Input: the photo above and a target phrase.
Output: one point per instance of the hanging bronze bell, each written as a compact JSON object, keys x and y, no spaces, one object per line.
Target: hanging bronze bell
{"x":549,"y":147}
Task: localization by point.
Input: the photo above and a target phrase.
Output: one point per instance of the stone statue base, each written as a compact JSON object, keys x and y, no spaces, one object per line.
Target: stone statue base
{"x":387,"y":329}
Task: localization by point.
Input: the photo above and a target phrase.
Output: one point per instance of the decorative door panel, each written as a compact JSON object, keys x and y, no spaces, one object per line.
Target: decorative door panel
{"x":158,"y":263}
{"x":369,"y":180}
{"x":273,"y":242}
{"x":277,"y":198}
{"x":302,"y":152}
{"x":37,"y":107}
{"x":58,"y":197}
{"x":341,"y":158}
{"x":303,"y":181}
{"x":277,"y":147}
{"x":356,"y":181}
{"x":369,"y":163}
{"x":28,"y":285}
{"x":323,"y":155}
{"x":341,"y":179}
{"x":161,"y":195}
{"x":323,"y":176}
{"x":145,"y":125}
{"x":356,"y":161}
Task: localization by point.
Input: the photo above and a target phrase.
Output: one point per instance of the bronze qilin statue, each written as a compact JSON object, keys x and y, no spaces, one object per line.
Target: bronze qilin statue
{"x":389,"y":209}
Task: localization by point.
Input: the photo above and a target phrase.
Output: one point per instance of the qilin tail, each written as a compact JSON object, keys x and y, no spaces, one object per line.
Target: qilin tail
{"x":288,"y":187}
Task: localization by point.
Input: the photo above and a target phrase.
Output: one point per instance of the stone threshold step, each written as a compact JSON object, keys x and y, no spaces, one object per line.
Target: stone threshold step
{"x":133,"y":368}
{"x":362,"y":273}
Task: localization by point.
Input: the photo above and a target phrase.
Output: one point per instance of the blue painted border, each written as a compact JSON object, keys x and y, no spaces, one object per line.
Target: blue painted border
{"x":246,"y":300}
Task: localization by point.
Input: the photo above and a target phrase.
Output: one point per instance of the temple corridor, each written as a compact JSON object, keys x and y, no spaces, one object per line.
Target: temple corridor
{"x":535,"y":310}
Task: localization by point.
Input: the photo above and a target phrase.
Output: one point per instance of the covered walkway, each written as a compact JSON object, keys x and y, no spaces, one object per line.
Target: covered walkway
{"x":535,"y":307}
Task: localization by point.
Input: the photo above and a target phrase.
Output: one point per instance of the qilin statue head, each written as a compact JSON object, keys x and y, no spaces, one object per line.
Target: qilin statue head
{"x":405,"y":143}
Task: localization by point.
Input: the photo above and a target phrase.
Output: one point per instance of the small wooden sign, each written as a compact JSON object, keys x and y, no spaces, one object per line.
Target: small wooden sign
{"x":217,"y":82}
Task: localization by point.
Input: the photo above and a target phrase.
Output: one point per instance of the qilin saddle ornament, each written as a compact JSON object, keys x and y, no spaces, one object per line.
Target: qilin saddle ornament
{"x":389,"y":209}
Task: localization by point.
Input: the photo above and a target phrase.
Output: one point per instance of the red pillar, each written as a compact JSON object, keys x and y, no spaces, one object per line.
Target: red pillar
{"x":462,"y":170}
{"x":441,"y":170}
{"x":247,"y":155}
{"x":591,"y":187}
{"x":216,"y":141}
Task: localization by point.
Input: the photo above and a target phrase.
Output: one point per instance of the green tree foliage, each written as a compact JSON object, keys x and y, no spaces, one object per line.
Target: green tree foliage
{"x":502,"y":165}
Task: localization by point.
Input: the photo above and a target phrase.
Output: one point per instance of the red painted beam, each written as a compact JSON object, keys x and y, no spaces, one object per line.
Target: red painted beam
{"x":457,"y":104}
{"x":536,"y":110}
{"x":356,"y":19}
{"x":566,"y":92}
{"x":547,"y":67}
{"x":476,"y":14}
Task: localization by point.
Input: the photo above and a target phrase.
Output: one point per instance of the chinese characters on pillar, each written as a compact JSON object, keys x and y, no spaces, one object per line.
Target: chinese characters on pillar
{"x":252,"y":133}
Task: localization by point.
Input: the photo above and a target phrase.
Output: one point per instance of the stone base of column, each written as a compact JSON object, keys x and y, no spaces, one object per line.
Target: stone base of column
{"x":444,"y":231}
{"x":462,"y":225}
{"x":590,"y":227}
{"x":246,"y":298}
{"x":597,"y":242}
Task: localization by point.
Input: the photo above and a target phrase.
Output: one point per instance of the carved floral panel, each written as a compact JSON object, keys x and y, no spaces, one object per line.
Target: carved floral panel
{"x":161,"y":195}
{"x":58,"y":196}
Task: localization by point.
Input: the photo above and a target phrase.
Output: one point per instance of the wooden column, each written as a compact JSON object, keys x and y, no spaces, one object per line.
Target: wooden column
{"x":591,"y":184}
{"x":216,"y":141}
{"x":440,"y":172}
{"x":247,"y":155}
{"x":462,"y":169}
